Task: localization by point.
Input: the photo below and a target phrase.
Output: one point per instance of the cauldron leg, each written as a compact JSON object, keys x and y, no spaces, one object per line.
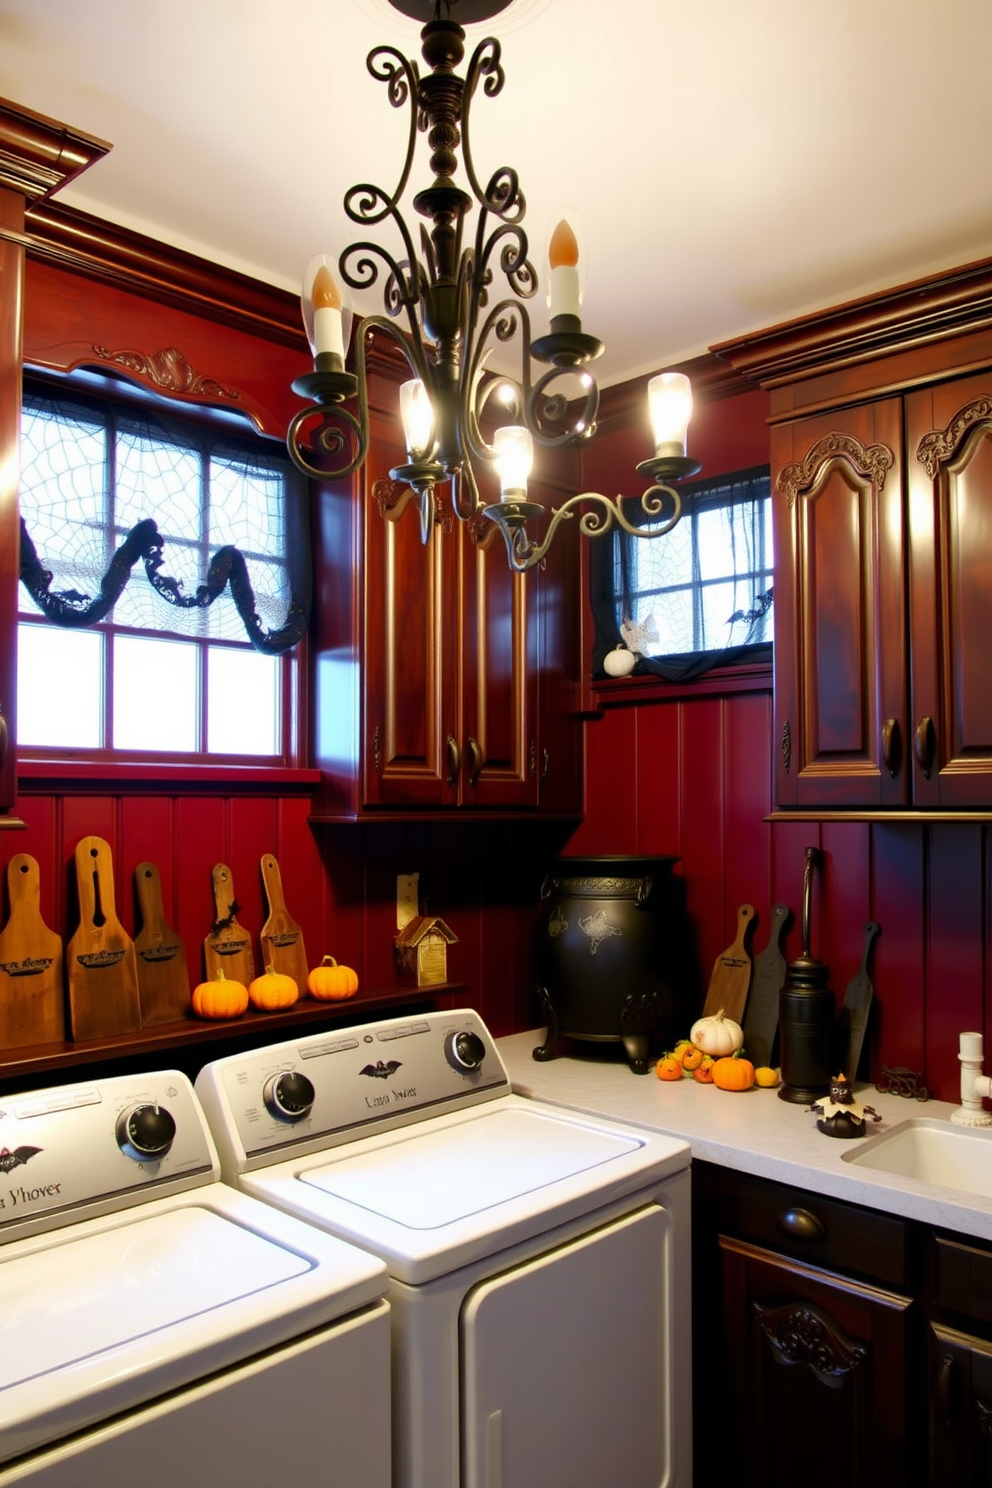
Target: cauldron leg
{"x":638,"y":1019}
{"x":547,"y":1049}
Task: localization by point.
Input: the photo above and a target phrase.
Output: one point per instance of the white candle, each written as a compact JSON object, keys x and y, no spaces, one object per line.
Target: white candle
{"x":564,"y":296}
{"x":328,"y":334}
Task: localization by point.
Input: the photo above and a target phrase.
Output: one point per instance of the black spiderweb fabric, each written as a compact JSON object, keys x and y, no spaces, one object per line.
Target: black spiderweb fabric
{"x":161,"y":525}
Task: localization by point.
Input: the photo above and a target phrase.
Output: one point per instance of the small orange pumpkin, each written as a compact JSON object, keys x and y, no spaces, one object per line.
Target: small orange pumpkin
{"x":733,"y":1073}
{"x":220,"y":998}
{"x":272,"y":990}
{"x":703,"y":1073}
{"x":330,"y":982}
{"x":669,"y":1068}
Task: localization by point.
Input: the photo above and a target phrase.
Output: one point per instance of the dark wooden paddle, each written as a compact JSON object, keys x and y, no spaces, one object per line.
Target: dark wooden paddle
{"x":767,"y":981}
{"x":32,"y":1009}
{"x":852,"y":1020}
{"x":228,"y":947}
{"x":731,"y":975}
{"x":282,"y":938}
{"x":163,"y":981}
{"x":100,"y":960}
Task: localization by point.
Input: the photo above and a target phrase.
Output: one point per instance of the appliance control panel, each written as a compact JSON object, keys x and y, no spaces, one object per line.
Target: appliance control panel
{"x":91,"y":1146}
{"x":336,"y":1087}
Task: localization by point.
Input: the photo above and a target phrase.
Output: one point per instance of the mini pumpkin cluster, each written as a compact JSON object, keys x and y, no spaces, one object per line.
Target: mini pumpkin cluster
{"x":713,"y":1054}
{"x":222,"y":997}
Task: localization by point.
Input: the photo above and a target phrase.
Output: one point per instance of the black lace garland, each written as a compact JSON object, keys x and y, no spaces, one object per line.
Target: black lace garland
{"x":227,"y":567}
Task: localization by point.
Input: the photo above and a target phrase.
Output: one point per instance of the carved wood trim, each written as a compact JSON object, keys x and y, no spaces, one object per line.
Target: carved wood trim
{"x":39,"y":155}
{"x":803,"y":1335}
{"x":392,"y":498}
{"x":168,"y":369}
{"x":872,"y":462}
{"x":936,"y":448}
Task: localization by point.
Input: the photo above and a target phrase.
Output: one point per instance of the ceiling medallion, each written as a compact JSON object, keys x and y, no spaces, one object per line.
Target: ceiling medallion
{"x":439,"y":316}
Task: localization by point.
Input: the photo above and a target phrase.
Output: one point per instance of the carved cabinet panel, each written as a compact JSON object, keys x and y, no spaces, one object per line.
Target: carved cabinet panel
{"x":817,"y":1374}
{"x":949,"y":458}
{"x":840,"y":630}
{"x":960,"y":1409}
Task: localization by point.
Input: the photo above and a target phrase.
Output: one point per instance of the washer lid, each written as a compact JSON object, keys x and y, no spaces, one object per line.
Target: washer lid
{"x":440,"y":1177}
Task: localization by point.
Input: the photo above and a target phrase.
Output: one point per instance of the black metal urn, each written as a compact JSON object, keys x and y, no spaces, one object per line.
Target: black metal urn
{"x":615,"y":957}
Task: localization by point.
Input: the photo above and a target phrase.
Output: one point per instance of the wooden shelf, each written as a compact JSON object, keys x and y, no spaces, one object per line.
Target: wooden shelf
{"x":197,"y":1041}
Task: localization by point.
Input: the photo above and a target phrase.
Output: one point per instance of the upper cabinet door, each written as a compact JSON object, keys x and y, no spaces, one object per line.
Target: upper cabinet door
{"x":949,"y":457}
{"x":840,"y":635}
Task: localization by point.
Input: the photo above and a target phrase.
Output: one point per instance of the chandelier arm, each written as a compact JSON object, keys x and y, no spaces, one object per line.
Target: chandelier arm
{"x":524,"y":553}
{"x":401,"y":292}
{"x":500,"y":315}
{"x":330,"y":440}
{"x":513,"y":261}
{"x":581,"y":426}
{"x":399,"y":73}
{"x":464,"y":509}
{"x":502,"y":196}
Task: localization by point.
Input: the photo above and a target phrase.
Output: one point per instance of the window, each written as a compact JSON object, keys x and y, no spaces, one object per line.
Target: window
{"x":171,"y":556}
{"x":701,"y":595}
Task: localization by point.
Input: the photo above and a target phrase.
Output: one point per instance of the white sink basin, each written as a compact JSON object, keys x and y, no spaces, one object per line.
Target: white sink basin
{"x":931,"y":1151}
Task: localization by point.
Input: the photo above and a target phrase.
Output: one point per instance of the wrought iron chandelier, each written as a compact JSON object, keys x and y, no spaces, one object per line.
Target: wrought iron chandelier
{"x":438,"y":314}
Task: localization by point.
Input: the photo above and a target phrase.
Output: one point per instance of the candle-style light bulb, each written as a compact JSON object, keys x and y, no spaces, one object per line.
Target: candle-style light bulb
{"x":326,"y":312}
{"x":417,"y":418}
{"x":670,"y":408}
{"x":513,"y":454}
{"x":564,"y":290}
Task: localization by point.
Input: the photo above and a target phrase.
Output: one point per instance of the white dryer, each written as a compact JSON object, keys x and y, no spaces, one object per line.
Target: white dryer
{"x":158,"y":1328}
{"x":538,"y":1258}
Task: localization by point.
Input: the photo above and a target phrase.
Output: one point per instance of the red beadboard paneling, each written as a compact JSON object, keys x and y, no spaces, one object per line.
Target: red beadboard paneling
{"x":899,"y":965}
{"x":659,"y":766}
{"x":703,"y":844}
{"x":199,"y":843}
{"x":956,"y":939}
{"x":746,"y":727}
{"x":844,"y":901}
{"x":146,"y":835}
{"x":610,"y":824}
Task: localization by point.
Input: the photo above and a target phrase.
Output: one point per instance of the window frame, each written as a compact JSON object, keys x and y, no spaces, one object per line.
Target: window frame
{"x":73,"y":766}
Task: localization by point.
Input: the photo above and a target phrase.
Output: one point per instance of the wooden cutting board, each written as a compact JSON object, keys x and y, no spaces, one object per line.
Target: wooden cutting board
{"x":228,"y":947}
{"x":282,"y":938}
{"x":163,"y":980}
{"x":100,"y":960}
{"x":731,"y":975}
{"x":32,"y":1009}
{"x":852,"y":1020}
{"x":767,"y":981}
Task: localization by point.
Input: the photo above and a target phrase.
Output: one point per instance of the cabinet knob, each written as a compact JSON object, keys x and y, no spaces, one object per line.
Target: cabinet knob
{"x":924,"y":744}
{"x":891,"y":745}
{"x":454,"y":753}
{"x":800,"y":1224}
{"x":474,"y":759}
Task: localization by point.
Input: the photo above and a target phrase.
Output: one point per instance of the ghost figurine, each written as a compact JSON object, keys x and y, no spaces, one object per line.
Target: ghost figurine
{"x":840,"y":1114}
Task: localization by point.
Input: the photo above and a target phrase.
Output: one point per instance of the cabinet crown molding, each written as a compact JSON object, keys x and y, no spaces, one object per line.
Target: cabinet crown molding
{"x":39,"y":155}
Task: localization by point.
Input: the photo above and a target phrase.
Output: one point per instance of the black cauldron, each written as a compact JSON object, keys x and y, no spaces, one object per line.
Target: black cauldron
{"x":615,"y":956}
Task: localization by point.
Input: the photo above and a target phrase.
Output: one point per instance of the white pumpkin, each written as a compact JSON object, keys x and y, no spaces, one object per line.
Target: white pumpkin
{"x":717,"y":1035}
{"x":619,"y":662}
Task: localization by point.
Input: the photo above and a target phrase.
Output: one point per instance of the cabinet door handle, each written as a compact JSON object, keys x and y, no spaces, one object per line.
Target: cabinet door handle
{"x":800,"y":1224}
{"x":923,"y":745}
{"x":545,"y":763}
{"x":454,"y":759}
{"x":891,"y":745}
{"x":474,"y":759}
{"x":945,"y":1389}
{"x":4,"y":736}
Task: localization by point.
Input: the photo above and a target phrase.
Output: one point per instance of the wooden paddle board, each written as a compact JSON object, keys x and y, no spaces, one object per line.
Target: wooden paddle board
{"x":767,"y":981}
{"x":32,"y":1009}
{"x":228,"y":947}
{"x":731,"y":974}
{"x":163,"y":980}
{"x":852,"y":1020}
{"x":100,"y":960}
{"x":282,"y":938}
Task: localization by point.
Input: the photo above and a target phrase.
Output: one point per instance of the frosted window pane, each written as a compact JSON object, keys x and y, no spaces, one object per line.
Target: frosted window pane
{"x":155,"y":695}
{"x":59,"y":687}
{"x":242,"y":702}
{"x":246,"y":508}
{"x":157,"y":480}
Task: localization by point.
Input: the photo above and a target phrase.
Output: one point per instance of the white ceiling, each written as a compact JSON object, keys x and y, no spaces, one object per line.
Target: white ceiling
{"x":733,"y":162}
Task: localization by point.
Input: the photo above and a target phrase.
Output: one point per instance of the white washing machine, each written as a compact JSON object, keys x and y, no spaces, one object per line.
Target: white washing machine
{"x":539,"y":1259}
{"x":158,"y":1328}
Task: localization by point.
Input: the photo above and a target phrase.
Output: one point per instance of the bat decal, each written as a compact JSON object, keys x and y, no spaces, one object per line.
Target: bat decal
{"x":381,"y":1070}
{"x":20,"y":1155}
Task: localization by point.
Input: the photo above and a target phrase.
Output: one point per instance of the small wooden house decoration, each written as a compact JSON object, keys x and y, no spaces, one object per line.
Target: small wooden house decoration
{"x":422,"y":951}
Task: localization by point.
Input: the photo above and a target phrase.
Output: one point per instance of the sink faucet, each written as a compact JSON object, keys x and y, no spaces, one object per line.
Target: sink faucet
{"x":973,"y":1083}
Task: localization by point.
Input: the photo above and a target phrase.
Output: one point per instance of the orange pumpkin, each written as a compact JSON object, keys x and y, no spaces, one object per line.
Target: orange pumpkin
{"x":733,"y":1073}
{"x":704,"y":1072}
{"x":220,"y":998}
{"x":330,"y":982}
{"x":669,"y":1068}
{"x":272,"y":990}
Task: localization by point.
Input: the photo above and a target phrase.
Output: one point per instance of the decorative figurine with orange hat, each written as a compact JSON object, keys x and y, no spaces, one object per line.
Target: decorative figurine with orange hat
{"x":840,"y":1114}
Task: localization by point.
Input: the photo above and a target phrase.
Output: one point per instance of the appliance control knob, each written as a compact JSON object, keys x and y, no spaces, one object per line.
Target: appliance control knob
{"x":289,"y":1095}
{"x":464,"y":1051}
{"x":145,"y":1133}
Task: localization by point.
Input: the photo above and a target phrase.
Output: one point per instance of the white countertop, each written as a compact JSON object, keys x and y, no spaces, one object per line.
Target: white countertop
{"x":753,"y":1131}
